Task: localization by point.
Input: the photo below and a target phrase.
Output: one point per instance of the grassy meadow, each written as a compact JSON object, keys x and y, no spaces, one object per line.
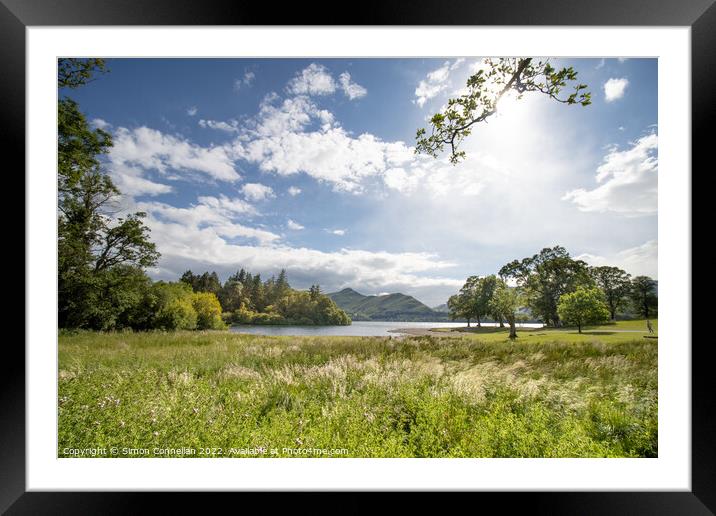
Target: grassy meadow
{"x":552,"y":393}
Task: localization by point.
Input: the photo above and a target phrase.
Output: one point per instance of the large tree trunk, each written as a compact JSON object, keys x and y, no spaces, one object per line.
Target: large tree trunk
{"x":468,"y":322}
{"x":513,"y":330}
{"x":478,"y":322}
{"x":502,"y":324}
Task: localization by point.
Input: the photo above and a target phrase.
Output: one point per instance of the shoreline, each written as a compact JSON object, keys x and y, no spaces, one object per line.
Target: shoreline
{"x":426,"y":332}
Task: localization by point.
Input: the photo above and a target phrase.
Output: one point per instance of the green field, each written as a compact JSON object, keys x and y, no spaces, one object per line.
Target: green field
{"x":607,"y":333}
{"x":228,"y":395}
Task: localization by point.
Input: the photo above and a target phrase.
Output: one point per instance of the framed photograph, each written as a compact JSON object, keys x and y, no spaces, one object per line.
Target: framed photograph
{"x":415,"y":252}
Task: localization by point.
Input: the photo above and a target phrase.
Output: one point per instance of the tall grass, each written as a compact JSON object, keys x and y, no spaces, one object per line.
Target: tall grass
{"x":367,"y":397}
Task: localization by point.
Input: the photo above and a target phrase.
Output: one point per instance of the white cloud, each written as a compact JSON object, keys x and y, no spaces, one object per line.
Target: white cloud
{"x":332,"y":156}
{"x":294,"y":225}
{"x":212,"y":215}
{"x":246,"y":80}
{"x":339,"y":232}
{"x":206,"y":248}
{"x":315,"y":79}
{"x":192,"y":111}
{"x":435,"y":82}
{"x":150,"y":149}
{"x":614,"y":89}
{"x":293,"y":191}
{"x":100,"y":123}
{"x":232,"y":126}
{"x":641,"y":260}
{"x":351,"y":89}
{"x":227,"y":206}
{"x":131,"y":182}
{"x":292,"y":115}
{"x":295,"y":136}
{"x":257,"y":191}
{"x":277,"y":140}
{"x":629,"y":181}
{"x":249,"y":78}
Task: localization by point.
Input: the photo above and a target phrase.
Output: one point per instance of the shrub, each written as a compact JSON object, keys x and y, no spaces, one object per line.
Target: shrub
{"x":177,"y":314}
{"x":208,"y":311}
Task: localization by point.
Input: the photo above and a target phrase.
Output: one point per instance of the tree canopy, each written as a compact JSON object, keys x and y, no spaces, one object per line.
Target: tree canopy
{"x":643,"y":294}
{"x":504,"y":304}
{"x":615,"y":283}
{"x":545,"y":277}
{"x":583,"y":306}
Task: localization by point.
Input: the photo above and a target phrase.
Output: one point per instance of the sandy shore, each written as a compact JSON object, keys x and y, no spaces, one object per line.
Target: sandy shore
{"x":426,"y":332}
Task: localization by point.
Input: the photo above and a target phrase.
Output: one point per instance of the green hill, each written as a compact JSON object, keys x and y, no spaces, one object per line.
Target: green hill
{"x":389,"y":307}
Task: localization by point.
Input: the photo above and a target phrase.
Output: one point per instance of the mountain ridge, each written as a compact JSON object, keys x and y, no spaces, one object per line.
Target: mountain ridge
{"x":386,"y":307}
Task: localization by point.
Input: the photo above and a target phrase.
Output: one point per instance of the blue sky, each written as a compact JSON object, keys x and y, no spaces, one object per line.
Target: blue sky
{"x":308,"y":165}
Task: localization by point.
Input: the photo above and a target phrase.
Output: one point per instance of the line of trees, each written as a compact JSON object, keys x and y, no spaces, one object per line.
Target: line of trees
{"x":246,"y":299}
{"x":556,"y":289}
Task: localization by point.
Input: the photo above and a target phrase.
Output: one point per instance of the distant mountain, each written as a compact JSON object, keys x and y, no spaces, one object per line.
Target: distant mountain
{"x":443,"y":308}
{"x":389,"y":307}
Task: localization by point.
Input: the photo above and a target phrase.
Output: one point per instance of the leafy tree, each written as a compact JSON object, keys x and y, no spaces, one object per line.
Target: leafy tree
{"x":100,"y":257}
{"x":300,"y":307}
{"x":100,"y":300}
{"x":643,"y":294}
{"x":177,"y":314}
{"x":314,"y":292}
{"x":208,"y":311}
{"x":208,"y":282}
{"x":79,"y":148}
{"x":269,"y":288}
{"x":241,"y":276}
{"x":583,"y":306}
{"x":190,"y":279}
{"x":545,"y":277}
{"x":257,"y":293}
{"x":615,"y":283}
{"x":482,"y":291}
{"x":72,"y":73}
{"x":282,"y":286}
{"x":485,"y":89}
{"x":231,"y":295}
{"x":475,"y":297}
{"x":164,"y":306}
{"x":459,"y":307}
{"x":505,"y":303}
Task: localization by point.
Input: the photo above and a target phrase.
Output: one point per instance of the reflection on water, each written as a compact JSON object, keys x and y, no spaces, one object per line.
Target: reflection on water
{"x":357,"y":329}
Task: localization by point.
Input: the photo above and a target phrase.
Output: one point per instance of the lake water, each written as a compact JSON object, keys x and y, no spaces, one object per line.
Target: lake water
{"x":357,"y":329}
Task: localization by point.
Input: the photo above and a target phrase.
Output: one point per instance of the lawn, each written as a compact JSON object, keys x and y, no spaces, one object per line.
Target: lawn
{"x":222,"y":394}
{"x":618,"y":331}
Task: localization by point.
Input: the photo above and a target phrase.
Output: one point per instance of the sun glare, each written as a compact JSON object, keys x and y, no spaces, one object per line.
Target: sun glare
{"x":510,"y":106}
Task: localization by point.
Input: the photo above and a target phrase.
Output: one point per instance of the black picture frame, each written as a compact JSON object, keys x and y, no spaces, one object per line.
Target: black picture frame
{"x":17,"y":15}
